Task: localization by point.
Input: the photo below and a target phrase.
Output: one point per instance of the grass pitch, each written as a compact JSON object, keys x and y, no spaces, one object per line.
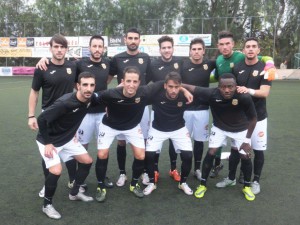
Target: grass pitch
{"x":21,"y":176}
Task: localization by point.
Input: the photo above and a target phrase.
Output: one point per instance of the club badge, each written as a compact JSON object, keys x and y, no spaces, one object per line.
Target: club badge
{"x":231,"y":65}
{"x":255,"y":73}
{"x":141,"y":61}
{"x":205,"y":67}
{"x":137,"y":100}
{"x":103,"y":65}
{"x":69,"y":71}
{"x":235,"y":102}
{"x":176,"y":66}
{"x":179,"y":104}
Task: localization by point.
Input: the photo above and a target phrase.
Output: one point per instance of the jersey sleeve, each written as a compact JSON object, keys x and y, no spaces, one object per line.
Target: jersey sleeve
{"x":203,"y":94}
{"x":248,"y":106}
{"x":113,"y":68}
{"x":48,"y":116}
{"x":37,"y":81}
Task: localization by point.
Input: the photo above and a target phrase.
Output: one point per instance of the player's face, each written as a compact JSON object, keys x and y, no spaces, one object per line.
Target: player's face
{"x":196,"y":52}
{"x":85,"y":88}
{"x":166,"y":51}
{"x":132,"y":41}
{"x":96,"y":49}
{"x":58,"y":51}
{"x":130,"y":82}
{"x":227,"y":87}
{"x":225,"y":46}
{"x":172,"y":89}
{"x":251,"y":49}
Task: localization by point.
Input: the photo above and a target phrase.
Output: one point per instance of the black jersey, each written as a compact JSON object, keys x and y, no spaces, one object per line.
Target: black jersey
{"x":198,"y":75}
{"x":159,"y":68}
{"x":231,"y":115}
{"x":101,"y":72}
{"x":253,"y":77}
{"x":126,"y":113}
{"x":55,"y":82}
{"x":122,"y":60}
{"x":168,"y":114}
{"x":59,"y":122}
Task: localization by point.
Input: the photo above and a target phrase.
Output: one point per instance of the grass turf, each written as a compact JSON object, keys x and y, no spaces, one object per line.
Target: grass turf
{"x":21,"y":176}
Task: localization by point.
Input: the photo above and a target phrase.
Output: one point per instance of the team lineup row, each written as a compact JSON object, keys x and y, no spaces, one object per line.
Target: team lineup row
{"x":127,"y":117}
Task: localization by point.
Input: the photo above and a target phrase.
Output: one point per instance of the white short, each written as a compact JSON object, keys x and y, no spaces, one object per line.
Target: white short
{"x":65,"y":152}
{"x":259,"y":136}
{"x":89,"y":127}
{"x":197,"y":124}
{"x":145,"y":123}
{"x":218,"y":137}
{"x":107,"y":134}
{"x":180,"y":139}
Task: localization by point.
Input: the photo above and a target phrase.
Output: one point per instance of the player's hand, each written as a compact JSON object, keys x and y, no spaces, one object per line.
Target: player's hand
{"x":270,"y":74}
{"x":49,"y":149}
{"x":245,"y":151}
{"x":242,"y":89}
{"x":32,"y":123}
{"x":42,"y":64}
{"x":189,"y":97}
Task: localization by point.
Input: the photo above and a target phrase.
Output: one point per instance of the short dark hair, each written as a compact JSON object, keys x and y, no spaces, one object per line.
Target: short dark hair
{"x":96,"y":37}
{"x":85,"y":75}
{"x":251,"y":39}
{"x":165,"y":39}
{"x":227,"y":76}
{"x":59,"y":39}
{"x":197,"y":41}
{"x":174,"y":76}
{"x":225,"y":34}
{"x":133,"y":30}
{"x":132,"y":69}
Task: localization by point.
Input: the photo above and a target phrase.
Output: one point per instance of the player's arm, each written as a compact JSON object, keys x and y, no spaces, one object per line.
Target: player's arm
{"x":262,"y":92}
{"x":249,"y":108}
{"x":42,"y":64}
{"x":32,"y":103}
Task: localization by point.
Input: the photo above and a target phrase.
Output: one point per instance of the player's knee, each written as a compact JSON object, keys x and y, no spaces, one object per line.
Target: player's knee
{"x":102,"y":154}
{"x":56,"y":170}
{"x":186,"y":155}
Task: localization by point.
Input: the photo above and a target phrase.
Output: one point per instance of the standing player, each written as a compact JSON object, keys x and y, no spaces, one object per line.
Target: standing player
{"x":159,"y":68}
{"x":131,"y":57}
{"x":225,"y":64}
{"x":58,"y":80}
{"x":234,"y":117}
{"x":250,"y":78}
{"x":99,"y":66}
{"x":168,"y":123}
{"x":57,"y":126}
{"x":196,"y":71}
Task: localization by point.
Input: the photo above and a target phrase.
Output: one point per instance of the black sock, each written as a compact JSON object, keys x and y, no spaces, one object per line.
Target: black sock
{"x":173,"y":155}
{"x":206,"y":167}
{"x":186,"y":165}
{"x":156,"y":159}
{"x":101,"y":167}
{"x":50,"y":187}
{"x":81,"y":175}
{"x":259,"y":159}
{"x":45,"y":170}
{"x":137,"y":170}
{"x":234,"y":160}
{"x":198,"y":151}
{"x":150,"y":160}
{"x":246,"y":166}
{"x":218,"y":156}
{"x":121,"y":157}
{"x":72,"y":168}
